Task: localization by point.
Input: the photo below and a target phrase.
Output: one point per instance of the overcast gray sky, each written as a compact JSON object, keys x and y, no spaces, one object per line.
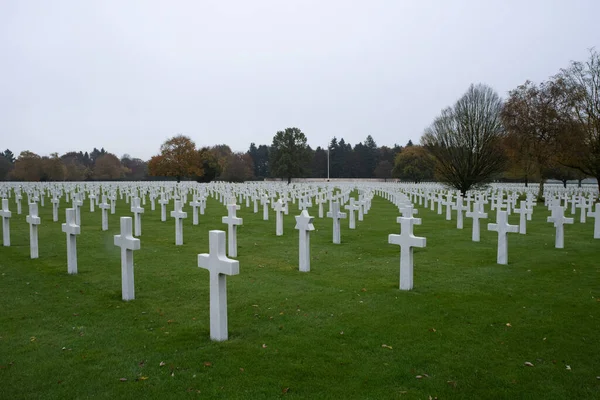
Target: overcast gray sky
{"x":126,"y":75}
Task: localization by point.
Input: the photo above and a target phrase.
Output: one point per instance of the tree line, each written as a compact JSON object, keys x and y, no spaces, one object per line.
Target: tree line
{"x":288,"y":156}
{"x":71,"y":166}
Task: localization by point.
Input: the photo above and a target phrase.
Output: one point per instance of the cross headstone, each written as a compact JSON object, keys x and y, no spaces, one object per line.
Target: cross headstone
{"x":336,"y":215}
{"x":163,"y":207}
{"x":448,"y":203}
{"x":304,"y":224}
{"x":5,"y":214}
{"x":195,"y":204}
{"x":137,"y":211}
{"x":265,"y":203}
{"x":596,"y":215}
{"x":279,"y":208}
{"x":582,"y":205}
{"x":72,"y":230}
{"x":77,"y":203}
{"x":18,"y":198}
{"x":178,"y":215}
{"x":407,"y":241}
{"x":219,"y":266}
{"x":459,"y":207}
{"x":104,"y":206}
{"x":232,"y":222}
{"x":55,"y":203}
{"x":128,"y":244}
{"x":522,"y":211}
{"x":476,"y":214}
{"x":351,"y":208}
{"x":92,"y":198}
{"x":320,"y":202}
{"x":503,"y":228}
{"x":33,"y":220}
{"x":559,"y":220}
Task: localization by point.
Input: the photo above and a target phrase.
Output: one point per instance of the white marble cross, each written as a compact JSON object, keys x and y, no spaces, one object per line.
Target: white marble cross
{"x":232,"y":222}
{"x":596,"y":215}
{"x":178,"y":215}
{"x":279,"y":208}
{"x":559,"y":220}
{"x":163,"y":207}
{"x":304,"y":224}
{"x":476,"y":214}
{"x":503,"y":228}
{"x":55,"y":203}
{"x":128,"y":244}
{"x":5,"y":214}
{"x":362,"y":204}
{"x":320,"y":202}
{"x":113,"y":202}
{"x":77,"y":203}
{"x":137,"y":211}
{"x":459,"y":207}
{"x":408,"y":211}
{"x":71,"y":229}
{"x":522,"y":211}
{"x":195,"y":204}
{"x":104,"y":206}
{"x":218,"y":266}
{"x":336,"y":215}
{"x":18,"y":198}
{"x":265,"y":203}
{"x":406,"y":240}
{"x":351,"y":208}
{"x":582,"y":205}
{"x":33,"y":220}
{"x":448,"y":203}
{"x":92,"y":198}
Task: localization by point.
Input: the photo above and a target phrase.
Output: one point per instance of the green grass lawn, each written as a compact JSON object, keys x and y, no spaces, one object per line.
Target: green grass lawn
{"x":465,"y":331}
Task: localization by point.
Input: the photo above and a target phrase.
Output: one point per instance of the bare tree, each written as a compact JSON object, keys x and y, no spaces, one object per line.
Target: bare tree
{"x":466,"y":139}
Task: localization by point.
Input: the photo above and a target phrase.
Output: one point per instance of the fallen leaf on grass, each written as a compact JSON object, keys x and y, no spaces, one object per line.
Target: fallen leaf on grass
{"x":363,"y":290}
{"x":241,"y":369}
{"x":528,"y":364}
{"x":162,"y":364}
{"x":568,"y":367}
{"x":32,"y":339}
{"x":432,"y":330}
{"x":451,"y":383}
{"x":207,"y":364}
{"x":386,"y":346}
{"x":142,"y":378}
{"x":264,"y":346}
{"x":508,"y":324}
{"x":123,"y":379}
{"x":285,"y":390}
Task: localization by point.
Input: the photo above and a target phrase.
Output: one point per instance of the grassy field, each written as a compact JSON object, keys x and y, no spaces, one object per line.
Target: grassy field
{"x":341,"y":331}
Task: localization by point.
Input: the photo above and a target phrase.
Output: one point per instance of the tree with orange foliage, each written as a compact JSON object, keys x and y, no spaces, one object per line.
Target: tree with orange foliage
{"x":178,"y":158}
{"x":28,"y":167}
